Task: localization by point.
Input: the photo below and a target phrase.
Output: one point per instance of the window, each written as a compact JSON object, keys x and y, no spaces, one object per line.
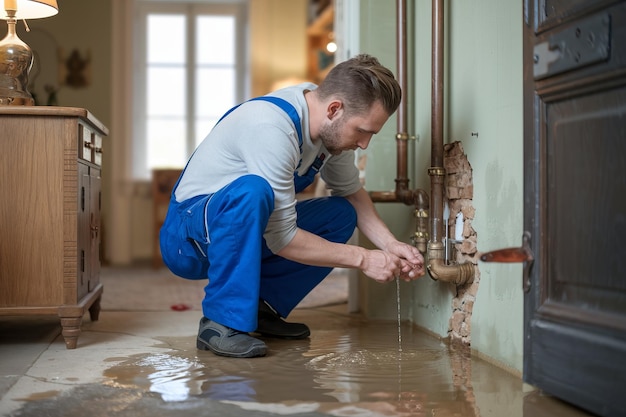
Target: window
{"x":189,"y":71}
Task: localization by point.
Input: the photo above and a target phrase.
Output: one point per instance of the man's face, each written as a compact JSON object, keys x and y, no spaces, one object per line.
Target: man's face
{"x":344,"y":132}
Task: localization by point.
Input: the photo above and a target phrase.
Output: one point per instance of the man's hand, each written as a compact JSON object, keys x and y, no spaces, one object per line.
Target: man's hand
{"x":412,"y":261}
{"x":381,"y":266}
{"x":398,"y":260}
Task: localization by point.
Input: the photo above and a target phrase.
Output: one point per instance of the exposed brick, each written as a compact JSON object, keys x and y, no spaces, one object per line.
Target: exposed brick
{"x":453,"y":165}
{"x":472,"y":290}
{"x":454,"y":193}
{"x":468,"y":246}
{"x":467,"y":192}
{"x":457,"y":318}
{"x":464,"y":330}
{"x":459,"y":189}
{"x":468,"y":210}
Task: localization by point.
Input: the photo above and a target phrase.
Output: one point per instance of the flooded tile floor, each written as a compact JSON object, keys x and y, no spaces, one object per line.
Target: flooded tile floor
{"x":146,"y":364}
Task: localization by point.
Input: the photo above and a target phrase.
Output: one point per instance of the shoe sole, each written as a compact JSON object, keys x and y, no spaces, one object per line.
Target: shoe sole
{"x":253,"y":352}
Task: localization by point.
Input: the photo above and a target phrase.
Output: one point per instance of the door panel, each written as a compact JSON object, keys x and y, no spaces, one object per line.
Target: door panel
{"x":575,"y":201}
{"x":586,"y":164}
{"x":83,"y":232}
{"x":553,"y":12}
{"x":95,"y":209}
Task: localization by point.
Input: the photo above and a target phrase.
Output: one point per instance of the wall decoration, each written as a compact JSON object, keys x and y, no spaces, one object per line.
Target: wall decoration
{"x":74,"y":68}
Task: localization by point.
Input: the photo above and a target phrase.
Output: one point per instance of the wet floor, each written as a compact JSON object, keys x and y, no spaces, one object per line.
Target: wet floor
{"x":354,"y":366}
{"x":349,"y":367}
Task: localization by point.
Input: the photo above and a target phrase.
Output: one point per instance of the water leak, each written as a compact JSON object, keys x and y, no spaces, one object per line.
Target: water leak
{"x":399,"y":321}
{"x":349,"y":366}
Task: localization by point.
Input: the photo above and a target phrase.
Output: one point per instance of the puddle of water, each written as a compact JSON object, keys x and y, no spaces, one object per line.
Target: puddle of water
{"x":40,"y":396}
{"x":347,"y":369}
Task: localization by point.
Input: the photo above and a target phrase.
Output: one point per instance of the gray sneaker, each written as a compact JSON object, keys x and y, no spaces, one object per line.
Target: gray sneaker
{"x":225,"y":341}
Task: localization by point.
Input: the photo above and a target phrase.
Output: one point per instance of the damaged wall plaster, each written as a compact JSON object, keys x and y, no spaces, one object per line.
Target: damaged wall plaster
{"x":460,"y":192}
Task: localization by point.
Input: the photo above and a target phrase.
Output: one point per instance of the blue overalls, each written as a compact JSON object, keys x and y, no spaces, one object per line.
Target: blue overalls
{"x":220,"y":237}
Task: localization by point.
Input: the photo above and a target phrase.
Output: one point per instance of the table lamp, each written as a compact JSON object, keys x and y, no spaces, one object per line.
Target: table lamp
{"x":16,"y":58}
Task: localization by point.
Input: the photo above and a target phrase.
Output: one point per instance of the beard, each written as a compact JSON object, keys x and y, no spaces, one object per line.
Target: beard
{"x":330,"y":137}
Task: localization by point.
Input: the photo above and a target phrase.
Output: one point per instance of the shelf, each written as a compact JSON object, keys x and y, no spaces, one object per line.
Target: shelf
{"x":323,"y":23}
{"x":319,"y":33}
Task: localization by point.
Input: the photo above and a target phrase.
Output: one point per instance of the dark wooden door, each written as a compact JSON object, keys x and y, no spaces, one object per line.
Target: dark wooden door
{"x":575,"y":201}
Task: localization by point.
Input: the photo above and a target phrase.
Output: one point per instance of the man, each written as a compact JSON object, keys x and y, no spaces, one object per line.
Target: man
{"x":234,"y":217}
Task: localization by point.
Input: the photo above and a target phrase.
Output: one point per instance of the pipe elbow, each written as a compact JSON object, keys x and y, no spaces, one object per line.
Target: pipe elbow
{"x":459,"y":274}
{"x":421,"y":199}
{"x":403,"y":194}
{"x":417,"y":197}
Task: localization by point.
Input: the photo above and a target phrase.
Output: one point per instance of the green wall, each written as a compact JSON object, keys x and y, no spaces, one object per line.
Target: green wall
{"x":483,"y":90}
{"x":485,"y":86}
{"x":378,"y":38}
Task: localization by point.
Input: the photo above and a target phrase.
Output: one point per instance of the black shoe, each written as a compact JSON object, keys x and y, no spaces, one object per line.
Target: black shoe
{"x":270,"y":324}
{"x":225,"y":341}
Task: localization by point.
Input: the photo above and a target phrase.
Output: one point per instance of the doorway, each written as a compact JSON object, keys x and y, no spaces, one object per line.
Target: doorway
{"x":575,"y":199}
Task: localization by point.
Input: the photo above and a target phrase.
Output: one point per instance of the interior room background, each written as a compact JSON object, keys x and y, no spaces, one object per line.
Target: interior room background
{"x":483,"y":113}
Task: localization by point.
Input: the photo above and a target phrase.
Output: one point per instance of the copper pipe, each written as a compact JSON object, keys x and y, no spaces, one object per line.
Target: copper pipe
{"x":458,"y":274}
{"x":402,"y":194}
{"x":436,"y":171}
{"x":402,"y":180}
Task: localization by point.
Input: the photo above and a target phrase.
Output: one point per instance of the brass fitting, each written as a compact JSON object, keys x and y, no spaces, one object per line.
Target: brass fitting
{"x":459,"y":274}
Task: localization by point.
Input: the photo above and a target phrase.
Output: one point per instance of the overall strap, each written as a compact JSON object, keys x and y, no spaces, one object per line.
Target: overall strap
{"x":283,"y":104}
{"x":291,"y":112}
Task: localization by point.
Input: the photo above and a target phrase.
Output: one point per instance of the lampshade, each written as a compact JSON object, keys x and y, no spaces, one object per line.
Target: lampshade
{"x":16,"y":58}
{"x":31,"y":9}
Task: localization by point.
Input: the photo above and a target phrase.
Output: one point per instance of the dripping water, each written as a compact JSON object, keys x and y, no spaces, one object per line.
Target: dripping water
{"x":399,"y":328}
{"x":399,"y":342}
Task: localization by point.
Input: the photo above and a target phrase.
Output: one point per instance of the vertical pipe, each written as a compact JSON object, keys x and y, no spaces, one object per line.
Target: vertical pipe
{"x":402,"y":193}
{"x":459,"y":274}
{"x":436,"y":171}
{"x":402,"y":181}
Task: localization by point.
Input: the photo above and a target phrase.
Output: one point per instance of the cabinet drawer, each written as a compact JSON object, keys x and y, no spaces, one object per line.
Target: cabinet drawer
{"x":97,"y":148}
{"x":85,"y":144}
{"x":89,"y":145}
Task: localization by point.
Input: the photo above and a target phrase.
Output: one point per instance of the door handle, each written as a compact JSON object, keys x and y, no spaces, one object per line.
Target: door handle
{"x":510,"y":255}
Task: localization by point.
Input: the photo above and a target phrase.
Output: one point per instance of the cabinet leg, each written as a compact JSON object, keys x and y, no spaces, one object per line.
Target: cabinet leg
{"x":94,"y":310}
{"x":71,"y":330}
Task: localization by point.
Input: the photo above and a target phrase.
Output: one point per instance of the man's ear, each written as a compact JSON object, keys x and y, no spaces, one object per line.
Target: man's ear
{"x":334,"y":109}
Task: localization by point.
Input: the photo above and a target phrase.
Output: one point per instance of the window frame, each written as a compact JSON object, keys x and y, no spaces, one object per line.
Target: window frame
{"x":191,"y":9}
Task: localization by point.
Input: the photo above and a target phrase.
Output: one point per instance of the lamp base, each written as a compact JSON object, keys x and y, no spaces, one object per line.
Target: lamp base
{"x":16,"y":59}
{"x":16,"y":101}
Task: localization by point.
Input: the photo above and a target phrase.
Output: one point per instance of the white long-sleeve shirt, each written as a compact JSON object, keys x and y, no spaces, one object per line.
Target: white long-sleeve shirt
{"x":259,"y":138}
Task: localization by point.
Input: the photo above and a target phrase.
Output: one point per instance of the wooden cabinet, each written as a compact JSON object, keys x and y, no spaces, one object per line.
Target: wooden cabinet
{"x":50,"y":202}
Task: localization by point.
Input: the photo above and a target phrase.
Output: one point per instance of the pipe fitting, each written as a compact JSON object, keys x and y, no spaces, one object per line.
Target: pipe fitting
{"x":421,"y":235}
{"x":402,"y":136}
{"x":420,"y":241}
{"x":437,"y":172}
{"x":459,"y":274}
